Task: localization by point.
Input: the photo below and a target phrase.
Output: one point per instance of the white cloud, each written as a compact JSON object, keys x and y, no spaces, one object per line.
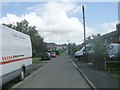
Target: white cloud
{"x":103,"y":28}
{"x":108,"y":27}
{"x":10,"y":18}
{"x":53,"y":23}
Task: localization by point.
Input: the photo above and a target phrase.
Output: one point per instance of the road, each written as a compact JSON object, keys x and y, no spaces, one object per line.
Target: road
{"x":58,"y":73}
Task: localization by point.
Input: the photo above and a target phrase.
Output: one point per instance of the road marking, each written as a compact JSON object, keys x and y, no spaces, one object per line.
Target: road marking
{"x":84,"y":76}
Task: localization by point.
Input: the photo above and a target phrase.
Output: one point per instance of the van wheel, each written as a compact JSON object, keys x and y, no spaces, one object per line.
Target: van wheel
{"x":22,"y":75}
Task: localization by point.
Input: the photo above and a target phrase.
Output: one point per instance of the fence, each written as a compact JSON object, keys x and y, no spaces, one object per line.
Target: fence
{"x":113,"y":66}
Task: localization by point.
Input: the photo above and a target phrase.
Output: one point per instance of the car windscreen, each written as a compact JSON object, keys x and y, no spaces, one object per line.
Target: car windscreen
{"x":52,"y":52}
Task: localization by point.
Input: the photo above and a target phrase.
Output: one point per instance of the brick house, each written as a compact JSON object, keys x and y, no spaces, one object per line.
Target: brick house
{"x":112,"y":37}
{"x":51,"y":46}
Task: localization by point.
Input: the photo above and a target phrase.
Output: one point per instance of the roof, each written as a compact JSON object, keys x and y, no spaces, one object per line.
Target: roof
{"x":111,"y":34}
{"x":51,"y":44}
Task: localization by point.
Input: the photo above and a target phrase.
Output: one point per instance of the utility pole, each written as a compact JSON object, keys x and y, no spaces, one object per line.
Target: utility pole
{"x":83,"y":10}
{"x":67,"y":46}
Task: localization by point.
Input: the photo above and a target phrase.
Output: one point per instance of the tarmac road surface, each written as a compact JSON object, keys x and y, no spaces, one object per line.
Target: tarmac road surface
{"x":58,"y":73}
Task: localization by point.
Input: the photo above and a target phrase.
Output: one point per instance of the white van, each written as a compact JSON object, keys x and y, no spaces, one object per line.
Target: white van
{"x":15,"y":54}
{"x":81,"y":52}
{"x":114,"y":49}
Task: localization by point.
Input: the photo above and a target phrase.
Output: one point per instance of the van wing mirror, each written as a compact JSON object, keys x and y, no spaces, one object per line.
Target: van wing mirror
{"x":83,"y":52}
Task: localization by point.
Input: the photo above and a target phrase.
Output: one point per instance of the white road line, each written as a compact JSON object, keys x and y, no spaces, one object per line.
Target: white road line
{"x":84,"y":76}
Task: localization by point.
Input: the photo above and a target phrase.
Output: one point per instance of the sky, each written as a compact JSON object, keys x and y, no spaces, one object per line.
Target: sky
{"x":59,"y":22}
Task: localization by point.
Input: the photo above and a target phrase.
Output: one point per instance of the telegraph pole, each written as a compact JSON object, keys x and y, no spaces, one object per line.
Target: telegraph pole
{"x":83,"y":10}
{"x":67,"y":46}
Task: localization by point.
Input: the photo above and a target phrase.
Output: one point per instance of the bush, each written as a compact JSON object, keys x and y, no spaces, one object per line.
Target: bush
{"x":99,"y":61}
{"x":100,"y":52}
{"x":57,"y":52}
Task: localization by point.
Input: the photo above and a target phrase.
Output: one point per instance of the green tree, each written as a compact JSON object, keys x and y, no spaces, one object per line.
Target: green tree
{"x":22,"y":26}
{"x":98,"y":45}
{"x":72,"y":48}
{"x":9,"y":25}
{"x":100,"y":51}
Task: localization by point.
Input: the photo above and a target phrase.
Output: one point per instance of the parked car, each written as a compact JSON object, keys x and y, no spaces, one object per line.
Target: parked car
{"x":52,"y":54}
{"x":114,"y":50}
{"x":57,"y":52}
{"x":45,"y":56}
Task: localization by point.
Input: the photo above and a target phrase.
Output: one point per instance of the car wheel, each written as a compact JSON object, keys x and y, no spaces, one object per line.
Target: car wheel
{"x":22,"y":75}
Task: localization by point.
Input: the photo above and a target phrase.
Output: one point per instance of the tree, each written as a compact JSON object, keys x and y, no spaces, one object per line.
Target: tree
{"x":100,"y":51}
{"x":9,"y":25}
{"x":72,"y":48}
{"x":98,"y":45}
{"x":22,"y":26}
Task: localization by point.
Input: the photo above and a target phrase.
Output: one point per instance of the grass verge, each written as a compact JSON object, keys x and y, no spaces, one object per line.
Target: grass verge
{"x":116,"y":75}
{"x":36,"y":60}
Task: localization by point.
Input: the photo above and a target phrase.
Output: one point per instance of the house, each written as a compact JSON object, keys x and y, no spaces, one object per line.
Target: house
{"x":62,"y":47}
{"x":112,"y":37}
{"x":59,"y":47}
{"x":51,"y":46}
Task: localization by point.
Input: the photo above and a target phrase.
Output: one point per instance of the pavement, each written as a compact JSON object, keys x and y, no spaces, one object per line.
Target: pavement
{"x":58,"y":73}
{"x":100,"y":79}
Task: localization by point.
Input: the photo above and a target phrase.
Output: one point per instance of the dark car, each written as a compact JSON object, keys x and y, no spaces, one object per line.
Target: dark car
{"x":45,"y":56}
{"x":57,"y":52}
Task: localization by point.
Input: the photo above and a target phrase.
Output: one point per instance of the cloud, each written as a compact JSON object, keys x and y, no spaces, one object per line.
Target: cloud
{"x":108,"y":27}
{"x":53,"y":23}
{"x":10,"y":18}
{"x":103,"y":28}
